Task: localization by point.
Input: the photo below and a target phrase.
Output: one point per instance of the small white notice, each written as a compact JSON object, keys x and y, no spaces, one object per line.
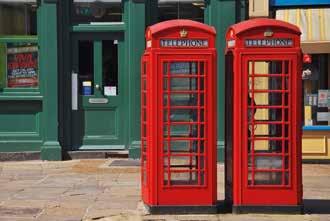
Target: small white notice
{"x":110,"y":91}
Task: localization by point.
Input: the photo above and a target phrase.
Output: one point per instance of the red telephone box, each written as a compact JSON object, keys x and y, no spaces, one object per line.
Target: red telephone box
{"x":178,"y":129}
{"x":263,"y":117}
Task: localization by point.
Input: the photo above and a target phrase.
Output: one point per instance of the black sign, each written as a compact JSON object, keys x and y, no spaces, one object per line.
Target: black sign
{"x":182,"y":43}
{"x":275,"y":42}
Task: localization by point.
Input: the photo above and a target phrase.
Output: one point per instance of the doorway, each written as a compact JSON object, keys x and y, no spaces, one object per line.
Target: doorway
{"x":99,"y":107}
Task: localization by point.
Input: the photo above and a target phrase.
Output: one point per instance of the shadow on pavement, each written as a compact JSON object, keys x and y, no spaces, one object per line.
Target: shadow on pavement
{"x":317,"y":206}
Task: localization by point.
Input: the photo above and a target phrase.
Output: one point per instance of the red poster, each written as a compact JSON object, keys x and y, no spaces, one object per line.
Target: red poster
{"x":22,"y":66}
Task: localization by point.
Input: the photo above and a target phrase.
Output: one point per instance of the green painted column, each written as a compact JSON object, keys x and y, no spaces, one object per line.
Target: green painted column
{"x":50,"y":149}
{"x":134,"y":36}
{"x":221,"y":14}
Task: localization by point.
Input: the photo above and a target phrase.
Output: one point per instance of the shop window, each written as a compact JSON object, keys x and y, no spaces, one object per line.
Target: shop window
{"x":18,"y":18}
{"x":97,"y":11}
{"x":181,"y":9}
{"x":18,"y":45}
{"x":316,"y":85}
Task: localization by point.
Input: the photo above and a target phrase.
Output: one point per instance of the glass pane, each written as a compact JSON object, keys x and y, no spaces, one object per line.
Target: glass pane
{"x":268,"y":178}
{"x":267,"y":146}
{"x":181,"y":131}
{"x":22,"y":18}
{"x":265,"y":162}
{"x":86,"y":67}
{"x":268,"y":83}
{"x":182,"y":162}
{"x":268,"y":67}
{"x":181,"y":146}
{"x":183,"y":68}
{"x":182,"y":84}
{"x":316,"y":87}
{"x":169,"y":9}
{"x":181,"y":115}
{"x":264,"y":114}
{"x":181,"y":100}
{"x":269,"y":99}
{"x":110,"y":67}
{"x":97,"y":11}
{"x":184,"y":178}
{"x":22,"y":65}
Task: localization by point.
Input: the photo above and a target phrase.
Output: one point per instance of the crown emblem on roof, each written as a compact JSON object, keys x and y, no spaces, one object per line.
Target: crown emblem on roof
{"x":183,"y":33}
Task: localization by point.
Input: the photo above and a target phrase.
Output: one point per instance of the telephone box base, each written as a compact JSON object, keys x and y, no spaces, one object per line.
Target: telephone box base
{"x":299,"y":209}
{"x":182,"y":209}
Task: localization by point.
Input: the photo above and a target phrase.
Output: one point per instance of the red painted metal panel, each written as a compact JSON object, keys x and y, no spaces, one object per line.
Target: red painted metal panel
{"x":180,"y":115}
{"x":266,"y":121}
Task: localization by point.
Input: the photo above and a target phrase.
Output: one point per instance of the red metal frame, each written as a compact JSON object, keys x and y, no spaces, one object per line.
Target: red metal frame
{"x":271,"y":173}
{"x":180,"y":134}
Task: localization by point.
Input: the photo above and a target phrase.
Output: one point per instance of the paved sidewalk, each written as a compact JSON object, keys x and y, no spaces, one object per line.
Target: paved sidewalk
{"x":93,"y":190}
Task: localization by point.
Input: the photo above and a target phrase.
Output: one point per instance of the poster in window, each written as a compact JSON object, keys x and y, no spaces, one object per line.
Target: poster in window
{"x":322,"y":98}
{"x":22,"y":65}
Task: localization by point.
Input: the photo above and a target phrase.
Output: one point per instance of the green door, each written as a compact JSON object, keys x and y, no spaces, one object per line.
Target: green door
{"x":99,"y":107}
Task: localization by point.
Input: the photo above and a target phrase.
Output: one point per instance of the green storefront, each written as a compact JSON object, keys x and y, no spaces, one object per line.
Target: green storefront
{"x":52,"y":51}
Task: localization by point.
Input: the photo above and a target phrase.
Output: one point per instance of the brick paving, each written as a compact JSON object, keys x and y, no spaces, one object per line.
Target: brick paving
{"x":93,"y":190}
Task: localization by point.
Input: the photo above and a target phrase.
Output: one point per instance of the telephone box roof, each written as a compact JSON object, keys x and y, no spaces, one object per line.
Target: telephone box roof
{"x":182,"y":23}
{"x":263,"y":22}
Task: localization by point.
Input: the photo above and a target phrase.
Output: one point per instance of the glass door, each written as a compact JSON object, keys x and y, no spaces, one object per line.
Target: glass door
{"x":98,"y":93}
{"x":267,"y":127}
{"x":183,"y":133}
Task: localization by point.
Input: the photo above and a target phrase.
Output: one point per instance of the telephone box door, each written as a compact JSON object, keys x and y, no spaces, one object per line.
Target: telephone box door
{"x":268,"y":90}
{"x":186,"y":174}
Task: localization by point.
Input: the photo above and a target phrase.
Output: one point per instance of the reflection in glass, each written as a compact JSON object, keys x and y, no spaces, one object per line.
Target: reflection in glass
{"x":181,"y":100}
{"x":183,"y":84}
{"x":181,"y":131}
{"x":268,"y":117}
{"x":97,"y":11}
{"x":110,"y":66}
{"x":183,"y":68}
{"x":193,"y":10}
{"x":18,"y":18}
{"x":183,"y":127}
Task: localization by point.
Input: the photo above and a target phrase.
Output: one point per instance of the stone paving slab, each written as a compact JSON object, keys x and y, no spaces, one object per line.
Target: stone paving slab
{"x":92,"y":190}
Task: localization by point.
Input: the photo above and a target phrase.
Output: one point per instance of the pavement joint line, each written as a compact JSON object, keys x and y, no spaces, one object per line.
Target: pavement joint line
{"x":43,"y":179}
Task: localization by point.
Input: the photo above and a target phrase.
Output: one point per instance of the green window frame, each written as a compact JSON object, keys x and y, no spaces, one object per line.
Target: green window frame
{"x":18,"y":93}
{"x":4,"y":42}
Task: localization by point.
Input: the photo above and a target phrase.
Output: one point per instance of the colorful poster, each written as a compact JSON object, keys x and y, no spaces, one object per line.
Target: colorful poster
{"x":322,"y":98}
{"x":22,"y":65}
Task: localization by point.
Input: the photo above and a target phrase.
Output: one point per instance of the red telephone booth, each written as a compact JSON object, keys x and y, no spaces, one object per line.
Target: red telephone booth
{"x":263,"y":117}
{"x":178,"y":129}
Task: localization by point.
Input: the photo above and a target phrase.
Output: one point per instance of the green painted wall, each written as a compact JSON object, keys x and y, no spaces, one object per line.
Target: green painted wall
{"x":218,"y":13}
{"x":221,"y":14}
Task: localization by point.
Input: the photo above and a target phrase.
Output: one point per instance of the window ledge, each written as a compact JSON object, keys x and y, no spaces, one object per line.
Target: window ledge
{"x":99,"y":27}
{"x":316,"y":128}
{"x":20,"y":96}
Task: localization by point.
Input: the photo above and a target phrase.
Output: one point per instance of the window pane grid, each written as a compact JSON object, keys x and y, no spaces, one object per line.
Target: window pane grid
{"x":184,"y":121}
{"x":144,"y":124}
{"x":268,"y":124}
